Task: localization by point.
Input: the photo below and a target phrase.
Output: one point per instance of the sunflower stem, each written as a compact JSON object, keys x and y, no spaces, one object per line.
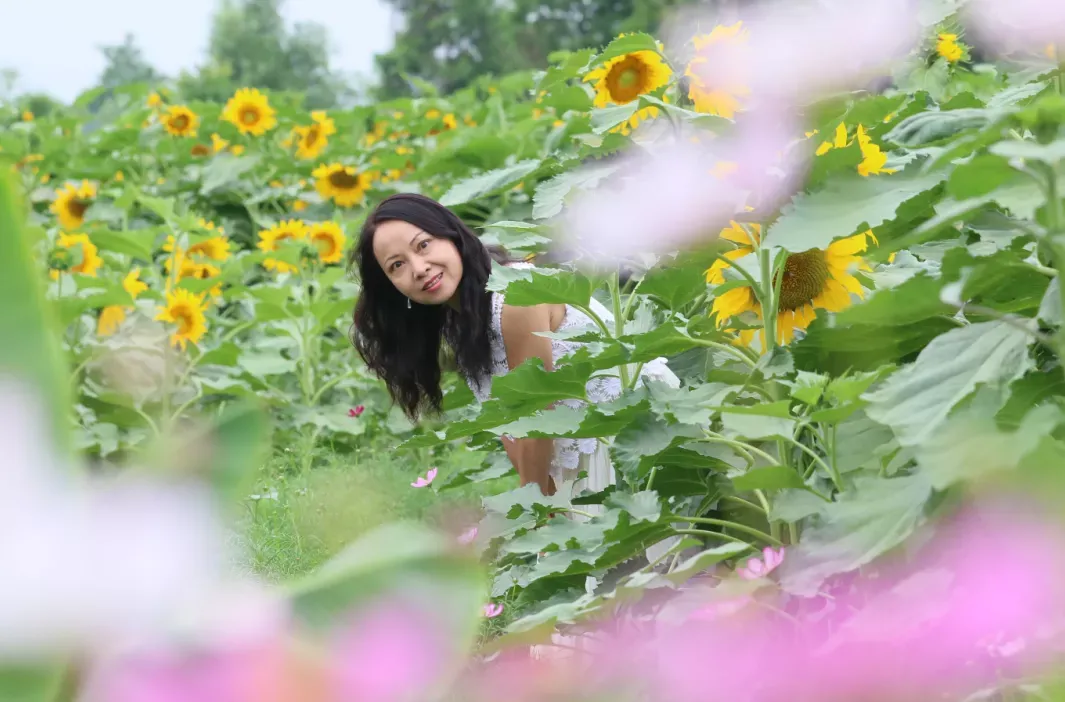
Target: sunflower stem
{"x":769,"y":302}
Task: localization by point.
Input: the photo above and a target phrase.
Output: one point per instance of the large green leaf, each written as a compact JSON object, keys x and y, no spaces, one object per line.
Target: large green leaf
{"x":912,"y":301}
{"x":928,"y":127}
{"x":864,"y":347}
{"x":845,"y":206}
{"x":398,"y":559}
{"x":630,"y":43}
{"x":768,"y":478}
{"x":551,"y":195}
{"x":524,"y":287}
{"x":30,"y":350}
{"x":31,"y":684}
{"x":916,"y":400}
{"x":488,"y":183}
{"x":875,"y":516}
{"x":225,"y":170}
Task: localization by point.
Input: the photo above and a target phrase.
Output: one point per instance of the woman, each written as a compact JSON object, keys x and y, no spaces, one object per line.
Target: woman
{"x":423,"y":275}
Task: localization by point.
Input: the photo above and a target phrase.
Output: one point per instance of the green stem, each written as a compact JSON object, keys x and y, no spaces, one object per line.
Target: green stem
{"x":726,"y":524}
{"x":769,"y":302}
{"x":715,"y":438}
{"x":820,"y":461}
{"x":651,"y":478}
{"x":745,"y":503}
{"x":619,"y":320}
{"x":716,"y":534}
{"x":571,"y":510}
{"x":726,"y":348}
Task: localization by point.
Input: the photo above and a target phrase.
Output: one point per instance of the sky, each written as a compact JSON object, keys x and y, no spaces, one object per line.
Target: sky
{"x":53,"y":44}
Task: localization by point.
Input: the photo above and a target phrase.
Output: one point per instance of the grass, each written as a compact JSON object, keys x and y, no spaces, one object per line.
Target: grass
{"x":295,"y":519}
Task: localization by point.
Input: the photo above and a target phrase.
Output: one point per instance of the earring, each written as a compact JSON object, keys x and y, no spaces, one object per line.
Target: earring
{"x":408,"y":303}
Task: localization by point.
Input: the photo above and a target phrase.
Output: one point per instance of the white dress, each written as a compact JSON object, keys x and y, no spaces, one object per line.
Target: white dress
{"x":572,"y":456}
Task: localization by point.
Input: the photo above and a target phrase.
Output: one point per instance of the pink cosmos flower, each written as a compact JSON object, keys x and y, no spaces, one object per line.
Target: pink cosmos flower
{"x":425,"y":481}
{"x":356,"y":411}
{"x":492,"y":610}
{"x":760,"y":567}
{"x":467,"y":537}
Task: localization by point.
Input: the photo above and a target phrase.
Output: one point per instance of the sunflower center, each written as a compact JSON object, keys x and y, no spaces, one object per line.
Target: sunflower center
{"x":311,"y":137}
{"x":325,"y":245}
{"x":180,"y":122}
{"x":342,"y":180}
{"x":184,"y":318}
{"x":249,"y":115}
{"x":804,"y":278}
{"x":77,"y":207}
{"x":627,"y":80}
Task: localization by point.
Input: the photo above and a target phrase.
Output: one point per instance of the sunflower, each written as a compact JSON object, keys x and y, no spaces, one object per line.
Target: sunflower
{"x":341,"y":183}
{"x":450,"y":122}
{"x":250,"y":112}
{"x":270,"y":240}
{"x":186,"y":310}
{"x":625,"y":78}
{"x":71,"y":203}
{"x":328,"y":238}
{"x":110,"y":318}
{"x":218,"y":143}
{"x":154,"y":100}
{"x":947,"y":47}
{"x":873,"y":159}
{"x":812,"y":280}
{"x":76,"y":254}
{"x":747,"y":241}
{"x":180,"y":121}
{"x":216,"y":248}
{"x":202,"y":271}
{"x":133,"y":284}
{"x":721,"y":100}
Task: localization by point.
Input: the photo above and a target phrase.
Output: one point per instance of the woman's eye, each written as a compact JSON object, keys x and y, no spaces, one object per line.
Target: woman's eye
{"x":395,"y":265}
{"x":423,"y":243}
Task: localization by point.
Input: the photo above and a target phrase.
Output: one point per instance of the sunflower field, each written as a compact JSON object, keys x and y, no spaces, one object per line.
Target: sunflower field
{"x":855,"y":364}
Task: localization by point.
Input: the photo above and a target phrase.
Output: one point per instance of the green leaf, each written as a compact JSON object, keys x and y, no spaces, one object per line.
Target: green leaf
{"x":875,"y":516}
{"x":556,"y":422}
{"x":551,"y":194}
{"x":980,"y":176}
{"x":530,"y":384}
{"x":970,"y":445}
{"x":642,"y":506}
{"x":30,"y":352}
{"x":637,"y":447}
{"x":606,"y":118}
{"x":239,"y":444}
{"x":808,"y":387}
{"x":564,"y":98}
{"x":224,"y":170}
{"x":135,"y":243}
{"x":263,"y":364}
{"x":862,"y":443}
{"x":676,"y":285}
{"x":31,"y":684}
{"x":916,"y":400}
{"x":837,"y":350}
{"x":753,"y":426}
{"x":844,"y":207}
{"x":488,"y":183}
{"x":928,"y":127}
{"x":1050,"y":153}
{"x":792,"y":505}
{"x":768,"y":478}
{"x":912,"y":301}
{"x":525,"y":287}
{"x":568,"y":68}
{"x":400,"y":558}
{"x":698,"y":563}
{"x":636,"y":41}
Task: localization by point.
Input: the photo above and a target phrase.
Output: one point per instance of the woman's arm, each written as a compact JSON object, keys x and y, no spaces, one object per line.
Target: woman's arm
{"x":531,"y":457}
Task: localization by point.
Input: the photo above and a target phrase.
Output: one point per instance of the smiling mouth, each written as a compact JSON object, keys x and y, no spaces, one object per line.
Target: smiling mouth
{"x":433,"y":282}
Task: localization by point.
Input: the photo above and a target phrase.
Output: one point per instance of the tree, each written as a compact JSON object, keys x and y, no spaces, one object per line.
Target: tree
{"x":448,"y":43}
{"x":126,"y":64}
{"x":451,"y":42}
{"x":250,"y":46}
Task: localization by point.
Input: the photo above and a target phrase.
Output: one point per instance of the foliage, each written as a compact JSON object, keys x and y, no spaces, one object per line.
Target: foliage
{"x":830,"y":424}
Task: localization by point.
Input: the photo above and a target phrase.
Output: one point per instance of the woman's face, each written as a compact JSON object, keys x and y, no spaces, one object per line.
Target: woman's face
{"x":425,"y":268}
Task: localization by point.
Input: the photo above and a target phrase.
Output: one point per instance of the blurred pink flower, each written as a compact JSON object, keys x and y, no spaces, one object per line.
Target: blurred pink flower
{"x":425,"y":481}
{"x":760,"y":567}
{"x":666,"y":199}
{"x":917,"y":631}
{"x":393,"y":653}
{"x":97,"y":560}
{"x":796,"y":53}
{"x":1017,"y":25}
{"x":467,"y":537}
{"x":492,"y":610}
{"x":241,"y":674}
{"x":356,"y":411}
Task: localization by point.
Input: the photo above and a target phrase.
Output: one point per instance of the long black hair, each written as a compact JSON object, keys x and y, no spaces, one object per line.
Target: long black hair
{"x":403,"y":345}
